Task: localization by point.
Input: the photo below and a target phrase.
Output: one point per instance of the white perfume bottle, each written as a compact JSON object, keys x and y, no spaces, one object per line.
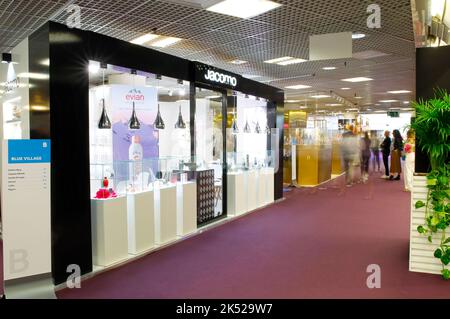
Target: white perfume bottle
{"x":135,"y":155}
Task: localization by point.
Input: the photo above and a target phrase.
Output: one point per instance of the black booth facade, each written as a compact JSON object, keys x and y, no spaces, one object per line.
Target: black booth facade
{"x":66,"y":123}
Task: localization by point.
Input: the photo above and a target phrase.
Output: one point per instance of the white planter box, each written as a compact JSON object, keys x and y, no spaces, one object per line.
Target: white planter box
{"x":421,"y":251}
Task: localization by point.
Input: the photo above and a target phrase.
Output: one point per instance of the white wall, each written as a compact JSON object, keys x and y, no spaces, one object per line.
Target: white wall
{"x":383,"y":122}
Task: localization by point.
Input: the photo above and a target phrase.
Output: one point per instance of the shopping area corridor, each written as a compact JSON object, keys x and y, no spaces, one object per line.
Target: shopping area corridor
{"x":317,"y":243}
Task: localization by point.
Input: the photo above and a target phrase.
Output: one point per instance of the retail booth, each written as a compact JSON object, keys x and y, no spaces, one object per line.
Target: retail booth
{"x":129,"y":150}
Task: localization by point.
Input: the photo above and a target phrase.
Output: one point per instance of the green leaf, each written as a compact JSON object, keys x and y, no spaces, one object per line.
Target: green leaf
{"x":419,"y":204}
{"x":430,"y":239}
{"x":420,"y":229}
{"x":434,"y":221}
{"x":446,"y":274}
{"x":438,"y":253}
{"x":431,"y":182}
{"x":446,"y":241}
{"x":445,"y":259}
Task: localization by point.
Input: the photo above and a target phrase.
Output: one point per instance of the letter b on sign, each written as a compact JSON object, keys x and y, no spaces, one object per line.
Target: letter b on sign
{"x":374,"y":279}
{"x":18,"y":261}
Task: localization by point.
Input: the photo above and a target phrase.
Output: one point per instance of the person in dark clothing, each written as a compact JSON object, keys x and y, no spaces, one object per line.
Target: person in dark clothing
{"x":386,"y":150}
{"x":396,"y":154}
{"x":365,"y":157}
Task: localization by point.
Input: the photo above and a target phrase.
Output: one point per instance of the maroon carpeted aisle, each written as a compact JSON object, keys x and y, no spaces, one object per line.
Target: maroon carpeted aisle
{"x":315,"y":244}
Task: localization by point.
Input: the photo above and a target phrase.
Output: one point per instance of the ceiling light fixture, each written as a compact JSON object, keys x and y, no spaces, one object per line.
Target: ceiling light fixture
{"x":292,"y":101}
{"x":292,"y":61}
{"x":247,"y":127}
{"x":357,"y":79}
{"x":356,"y":36}
{"x":405,"y":102}
{"x":345,"y":89}
{"x":6,"y":58}
{"x":243,"y":9}
{"x":320,"y":96}
{"x":159,"y":123}
{"x":167,"y":41}
{"x":399,"y":92}
{"x":145,"y":38}
{"x":277,"y":60}
{"x":180,"y":122}
{"x":104,"y":122}
{"x":298,"y":87}
{"x":327,"y":68}
{"x":387,"y":101}
{"x":134,"y":123}
{"x":237,"y":61}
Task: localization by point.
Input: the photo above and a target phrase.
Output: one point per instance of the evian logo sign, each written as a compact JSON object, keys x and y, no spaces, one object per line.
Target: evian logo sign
{"x":220,"y":78}
{"x":134,"y":96}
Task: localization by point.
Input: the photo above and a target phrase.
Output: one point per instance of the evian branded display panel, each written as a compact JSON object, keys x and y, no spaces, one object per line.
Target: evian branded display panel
{"x":26,"y":208}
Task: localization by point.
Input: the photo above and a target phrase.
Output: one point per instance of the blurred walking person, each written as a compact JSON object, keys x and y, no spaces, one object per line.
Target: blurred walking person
{"x":365,"y":157}
{"x":349,"y":150}
{"x":375,"y":148}
{"x":396,"y":154}
{"x":385,"y":151}
{"x":410,"y":151}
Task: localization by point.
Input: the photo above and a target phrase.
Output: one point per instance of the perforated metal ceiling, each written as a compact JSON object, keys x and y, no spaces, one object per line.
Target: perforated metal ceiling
{"x":217,"y":39}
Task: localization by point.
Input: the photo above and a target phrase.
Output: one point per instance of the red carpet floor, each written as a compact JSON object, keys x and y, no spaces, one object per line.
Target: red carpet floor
{"x":315,"y":244}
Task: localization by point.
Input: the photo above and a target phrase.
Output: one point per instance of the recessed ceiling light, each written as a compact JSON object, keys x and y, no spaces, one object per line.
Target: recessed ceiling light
{"x":405,"y":102}
{"x":292,"y":61}
{"x":399,"y":91}
{"x":213,"y":97}
{"x":407,"y":109}
{"x":320,"y":96}
{"x":358,"y":35}
{"x":380,"y":111}
{"x":145,"y":38}
{"x":237,"y":61}
{"x":345,"y":89}
{"x":292,"y":101}
{"x":351,"y":109}
{"x":303,"y":107}
{"x":333,"y":104}
{"x":297,"y":87}
{"x":387,"y":101}
{"x":357,"y":79}
{"x":277,"y":60}
{"x":329,"y":68}
{"x":251,"y":76}
{"x":165,"y":42}
{"x":358,"y":97}
{"x":243,"y":9}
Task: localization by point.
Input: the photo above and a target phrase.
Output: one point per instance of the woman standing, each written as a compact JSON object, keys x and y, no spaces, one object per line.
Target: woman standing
{"x":410,"y":150}
{"x":396,"y":154}
{"x":385,"y":150}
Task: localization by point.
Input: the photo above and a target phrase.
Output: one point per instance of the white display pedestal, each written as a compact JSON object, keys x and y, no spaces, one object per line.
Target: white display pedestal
{"x":141,"y":222}
{"x":269,"y":177}
{"x":109,"y":230}
{"x":186,"y":208}
{"x":252,"y":188}
{"x":165,"y":214}
{"x":261,"y":189}
{"x":236,"y":197}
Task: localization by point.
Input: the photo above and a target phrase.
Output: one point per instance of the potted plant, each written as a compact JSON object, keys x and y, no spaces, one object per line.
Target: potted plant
{"x":432,"y":127}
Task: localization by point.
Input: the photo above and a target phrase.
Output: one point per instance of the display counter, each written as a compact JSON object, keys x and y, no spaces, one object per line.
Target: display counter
{"x":109,"y":230}
{"x":165,"y":213}
{"x":249,"y":190}
{"x":186,"y":208}
{"x":141,"y":221}
{"x":313,"y":164}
